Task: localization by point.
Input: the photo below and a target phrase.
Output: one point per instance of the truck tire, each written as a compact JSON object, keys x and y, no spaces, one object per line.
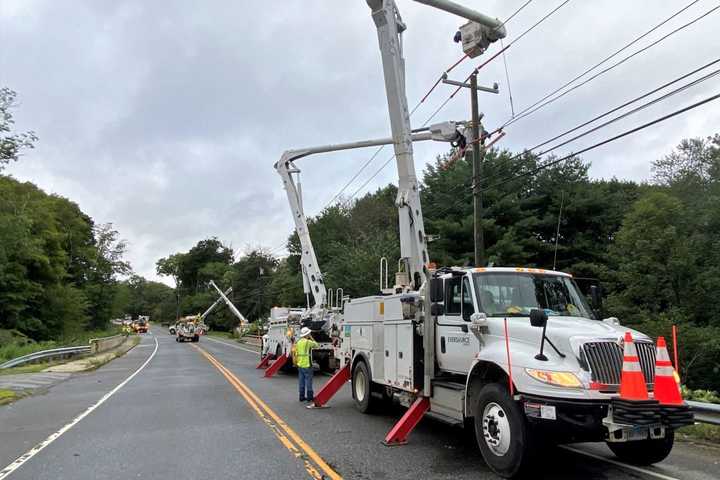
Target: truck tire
{"x":196,"y":338}
{"x":177,"y":339}
{"x":362,"y":388}
{"x":644,"y":452}
{"x":502,"y":433}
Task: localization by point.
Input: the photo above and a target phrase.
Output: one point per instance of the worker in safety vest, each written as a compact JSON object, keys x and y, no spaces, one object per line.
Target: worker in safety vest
{"x":304,"y":364}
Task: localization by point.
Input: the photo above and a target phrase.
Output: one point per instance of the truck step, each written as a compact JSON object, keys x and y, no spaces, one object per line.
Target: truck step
{"x":449,"y":384}
{"x":445,"y":419}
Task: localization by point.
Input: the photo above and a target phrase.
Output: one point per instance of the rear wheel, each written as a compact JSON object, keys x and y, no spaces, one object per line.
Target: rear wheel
{"x":644,"y":452}
{"x":502,"y":433}
{"x":362,"y":388}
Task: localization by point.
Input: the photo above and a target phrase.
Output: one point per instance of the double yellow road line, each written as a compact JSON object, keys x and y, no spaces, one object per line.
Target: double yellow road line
{"x":313,"y":463}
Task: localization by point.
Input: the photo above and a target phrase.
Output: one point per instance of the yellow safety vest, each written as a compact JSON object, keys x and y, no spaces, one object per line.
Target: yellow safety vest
{"x":303,"y":348}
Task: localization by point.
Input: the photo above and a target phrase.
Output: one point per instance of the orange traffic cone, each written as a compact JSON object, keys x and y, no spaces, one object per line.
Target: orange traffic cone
{"x":632,"y":381}
{"x":667,"y":391}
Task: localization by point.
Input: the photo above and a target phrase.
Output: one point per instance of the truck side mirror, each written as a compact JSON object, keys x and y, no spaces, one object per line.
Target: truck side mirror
{"x":538,"y":318}
{"x":437,"y":309}
{"x":596,"y":295}
{"x":436,"y":290}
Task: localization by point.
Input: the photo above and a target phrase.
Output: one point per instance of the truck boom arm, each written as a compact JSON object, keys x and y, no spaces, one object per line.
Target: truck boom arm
{"x":413,"y":243}
{"x":310,"y":270}
{"x":444,"y":132}
{"x":230,"y":305}
{"x":212,"y":307}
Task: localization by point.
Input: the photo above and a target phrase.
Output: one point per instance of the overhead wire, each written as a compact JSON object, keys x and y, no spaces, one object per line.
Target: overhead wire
{"x":625,"y":104}
{"x":553,"y":162}
{"x":507,"y":78}
{"x":546,"y":100}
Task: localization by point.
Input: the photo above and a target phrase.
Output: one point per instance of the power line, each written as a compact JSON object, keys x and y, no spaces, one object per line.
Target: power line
{"x":507,"y":78}
{"x":630,"y":102}
{"x":606,"y":141}
{"x":634,"y":110}
{"x":539,"y":104}
{"x":520,"y":9}
{"x":548,"y":164}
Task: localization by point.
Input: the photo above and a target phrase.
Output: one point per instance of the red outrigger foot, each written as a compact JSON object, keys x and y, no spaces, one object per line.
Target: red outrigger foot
{"x":399,"y":433}
{"x":277,"y":365}
{"x":264,"y":361}
{"x":332,"y":386}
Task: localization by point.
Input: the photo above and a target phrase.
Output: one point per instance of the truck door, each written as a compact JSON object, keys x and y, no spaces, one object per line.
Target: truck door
{"x":454,"y":348}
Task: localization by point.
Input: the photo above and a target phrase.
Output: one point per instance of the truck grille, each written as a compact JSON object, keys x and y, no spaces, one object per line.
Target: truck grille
{"x":605,"y":361}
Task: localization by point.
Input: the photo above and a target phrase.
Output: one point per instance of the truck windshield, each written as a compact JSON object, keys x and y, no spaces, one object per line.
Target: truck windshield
{"x":515,"y":294}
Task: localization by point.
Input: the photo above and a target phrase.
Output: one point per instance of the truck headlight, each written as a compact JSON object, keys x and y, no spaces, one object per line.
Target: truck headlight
{"x":560,"y":379}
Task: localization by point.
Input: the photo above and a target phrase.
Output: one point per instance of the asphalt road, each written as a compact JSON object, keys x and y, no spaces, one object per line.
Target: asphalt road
{"x":203,"y":411}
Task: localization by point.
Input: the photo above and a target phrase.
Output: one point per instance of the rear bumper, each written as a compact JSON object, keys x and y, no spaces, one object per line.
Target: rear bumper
{"x":566,"y":420}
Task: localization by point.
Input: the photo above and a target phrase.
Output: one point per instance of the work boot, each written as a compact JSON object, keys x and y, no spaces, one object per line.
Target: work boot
{"x":302,"y":399}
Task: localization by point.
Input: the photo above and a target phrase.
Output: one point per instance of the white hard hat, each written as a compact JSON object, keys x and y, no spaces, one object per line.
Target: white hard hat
{"x":304,"y":332}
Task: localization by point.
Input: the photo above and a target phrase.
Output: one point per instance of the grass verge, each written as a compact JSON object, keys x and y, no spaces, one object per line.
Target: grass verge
{"x":702,"y":432}
{"x":7,"y":396}
{"x":33,"y":368}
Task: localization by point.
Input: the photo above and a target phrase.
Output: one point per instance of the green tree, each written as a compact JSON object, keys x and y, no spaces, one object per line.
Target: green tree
{"x":11,"y":143}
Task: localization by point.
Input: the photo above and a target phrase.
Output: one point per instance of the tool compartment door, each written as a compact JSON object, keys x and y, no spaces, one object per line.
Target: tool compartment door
{"x":398,"y":352}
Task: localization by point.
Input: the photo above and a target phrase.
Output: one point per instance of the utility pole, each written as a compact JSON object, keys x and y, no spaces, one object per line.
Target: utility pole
{"x":477,"y":173}
{"x":476,"y":153}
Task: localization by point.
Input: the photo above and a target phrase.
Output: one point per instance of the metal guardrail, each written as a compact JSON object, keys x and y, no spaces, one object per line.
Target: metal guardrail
{"x":706,"y":412}
{"x":46,"y":354}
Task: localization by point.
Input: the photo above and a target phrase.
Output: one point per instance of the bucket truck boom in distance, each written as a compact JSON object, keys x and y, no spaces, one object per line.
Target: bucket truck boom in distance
{"x":322,"y":317}
{"x":231,"y":306}
{"x":466,"y":345}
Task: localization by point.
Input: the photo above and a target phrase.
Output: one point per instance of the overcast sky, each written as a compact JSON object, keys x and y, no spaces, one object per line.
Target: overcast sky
{"x":165,"y":117}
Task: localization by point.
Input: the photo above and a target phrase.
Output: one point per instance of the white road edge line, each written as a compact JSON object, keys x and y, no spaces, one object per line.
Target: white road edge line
{"x":256,"y":352}
{"x":21,"y":460}
{"x":614,"y":462}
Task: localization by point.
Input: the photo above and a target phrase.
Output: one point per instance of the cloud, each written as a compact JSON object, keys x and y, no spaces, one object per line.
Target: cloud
{"x":165,"y":118}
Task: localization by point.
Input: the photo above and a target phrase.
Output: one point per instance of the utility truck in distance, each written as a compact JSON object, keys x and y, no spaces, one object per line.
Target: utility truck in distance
{"x":516,"y":354}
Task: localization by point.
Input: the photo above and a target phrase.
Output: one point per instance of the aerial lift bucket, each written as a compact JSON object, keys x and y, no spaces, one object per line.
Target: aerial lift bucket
{"x":277,"y":365}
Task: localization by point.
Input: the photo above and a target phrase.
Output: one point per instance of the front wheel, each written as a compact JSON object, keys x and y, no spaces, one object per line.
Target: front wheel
{"x":644,"y":452}
{"x":502,"y":433}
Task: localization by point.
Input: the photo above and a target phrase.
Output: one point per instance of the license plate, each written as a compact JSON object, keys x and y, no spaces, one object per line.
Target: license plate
{"x":637,"y":433}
